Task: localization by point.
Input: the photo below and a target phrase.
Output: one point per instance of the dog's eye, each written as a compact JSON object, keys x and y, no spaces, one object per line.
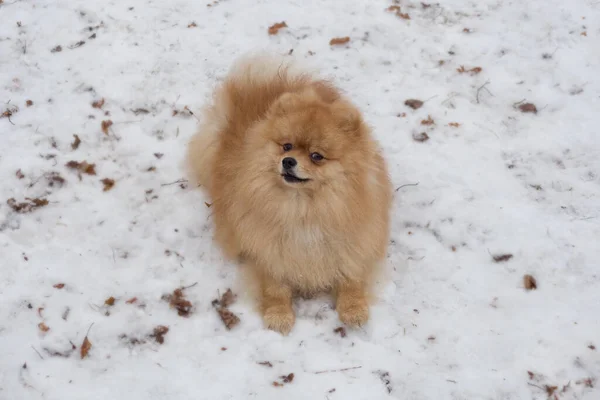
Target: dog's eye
{"x":287,"y":147}
{"x":316,"y":156}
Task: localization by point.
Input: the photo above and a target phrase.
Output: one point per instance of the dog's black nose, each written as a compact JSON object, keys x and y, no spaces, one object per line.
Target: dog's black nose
{"x":289,"y":163}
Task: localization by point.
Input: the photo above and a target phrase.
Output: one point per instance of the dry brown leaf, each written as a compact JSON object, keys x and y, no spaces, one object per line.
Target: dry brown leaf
{"x":43,"y":327}
{"x":528,"y":108}
{"x":277,"y":384}
{"x":178,"y":301}
{"x":472,"y":71}
{"x":28,"y":206}
{"x":587,"y":382}
{"x":421,"y":137}
{"x":393,"y":9}
{"x":229,"y":319}
{"x":59,"y":286}
{"x":428,"y":121}
{"x":529,"y":282}
{"x":76,"y":142}
{"x":54,"y":179}
{"x":265,"y":363}
{"x":105,"y":125}
{"x":56,"y":49}
{"x":502,"y":257}
{"x":274,"y":29}
{"x":466,"y":30}
{"x":592,"y":347}
{"x":208,"y":205}
{"x":29,"y":103}
{"x":550,"y":389}
{"x":339,"y":40}
{"x":227,"y":299}
{"x":159,"y":333}
{"x":454,"y":124}
{"x":584,"y":33}
{"x":83,"y":166}
{"x":110,"y":301}
{"x":39,"y":310}
{"x":341,"y":330}
{"x":287,"y":378}
{"x":131,"y":300}
{"x":108,"y":184}
{"x":98,"y":103}
{"x":85,"y":347}
{"x":413,"y":103}
{"x":20,"y":174}
{"x":192,"y":25}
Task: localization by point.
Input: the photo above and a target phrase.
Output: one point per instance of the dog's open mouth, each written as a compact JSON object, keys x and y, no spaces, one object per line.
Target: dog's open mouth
{"x":291,"y":178}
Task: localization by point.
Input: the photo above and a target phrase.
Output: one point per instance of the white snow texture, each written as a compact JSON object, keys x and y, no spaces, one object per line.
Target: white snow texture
{"x":450,"y":321}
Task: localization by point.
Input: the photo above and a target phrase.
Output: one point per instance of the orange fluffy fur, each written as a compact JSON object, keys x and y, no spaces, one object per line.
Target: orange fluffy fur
{"x":326,"y":233}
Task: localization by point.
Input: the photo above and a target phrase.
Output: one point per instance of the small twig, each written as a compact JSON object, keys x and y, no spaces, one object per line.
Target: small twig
{"x":431,"y":98}
{"x":38,"y":353}
{"x":408,"y":184}
{"x":336,"y":370}
{"x":187,"y":287}
{"x":88,"y":331}
{"x":450,"y":380}
{"x":483,"y":87}
{"x":539,"y":387}
{"x":176,"y":182}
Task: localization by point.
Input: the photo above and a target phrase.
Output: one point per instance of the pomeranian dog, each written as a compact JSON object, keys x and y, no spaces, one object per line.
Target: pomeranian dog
{"x":300,"y":191}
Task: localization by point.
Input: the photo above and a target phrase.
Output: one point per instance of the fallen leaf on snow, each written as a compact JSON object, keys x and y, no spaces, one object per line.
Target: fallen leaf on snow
{"x":159,"y":333}
{"x":29,"y":103}
{"x":76,"y":142}
{"x":105,"y":125}
{"x":274,"y":29}
{"x":192,"y":25}
{"x":472,"y":71}
{"x":413,"y":103}
{"x":54,"y":179}
{"x":28,"y":206}
{"x":178,"y":301}
{"x":550,"y":389}
{"x":132,"y":300}
{"x":108,"y":184}
{"x":20,"y":174}
{"x":85,"y":347}
{"x":265,"y":363}
{"x":229,"y":319}
{"x":341,"y":331}
{"x":43,"y":327}
{"x":59,"y":286}
{"x":587,"y":382}
{"x":529,"y":282}
{"x":428,"y":121}
{"x":502,"y":257}
{"x":454,"y":124}
{"x":528,"y":108}
{"x":421,"y":137}
{"x":83,"y":166}
{"x":339,"y":40}
{"x":56,"y":49}
{"x":98,"y":103}
{"x":110,"y":301}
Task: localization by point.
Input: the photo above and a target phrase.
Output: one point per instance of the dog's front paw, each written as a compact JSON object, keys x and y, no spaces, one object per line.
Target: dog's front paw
{"x":353,"y":312}
{"x":279,"y":318}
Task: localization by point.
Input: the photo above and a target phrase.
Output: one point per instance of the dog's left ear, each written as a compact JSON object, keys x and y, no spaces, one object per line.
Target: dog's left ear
{"x":349,"y":119}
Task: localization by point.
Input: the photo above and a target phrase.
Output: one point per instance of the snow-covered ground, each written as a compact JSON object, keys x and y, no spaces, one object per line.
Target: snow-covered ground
{"x":450,"y":323}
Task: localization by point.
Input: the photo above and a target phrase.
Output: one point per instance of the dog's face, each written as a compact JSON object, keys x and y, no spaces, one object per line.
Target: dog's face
{"x":311,"y":142}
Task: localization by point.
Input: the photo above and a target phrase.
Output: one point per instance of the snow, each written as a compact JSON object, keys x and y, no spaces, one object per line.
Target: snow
{"x":450,"y":322}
